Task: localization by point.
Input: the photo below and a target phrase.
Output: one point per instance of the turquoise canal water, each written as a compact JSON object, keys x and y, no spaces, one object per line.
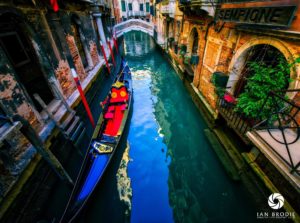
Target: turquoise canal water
{"x":172,"y":172}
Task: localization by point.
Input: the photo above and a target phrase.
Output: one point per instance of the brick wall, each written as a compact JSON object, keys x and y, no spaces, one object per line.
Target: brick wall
{"x":207,"y":88}
{"x":201,"y":48}
{"x":76,"y":57}
{"x":94,"y":52}
{"x":64,"y":76}
{"x":13,"y":98}
{"x":218,"y":54}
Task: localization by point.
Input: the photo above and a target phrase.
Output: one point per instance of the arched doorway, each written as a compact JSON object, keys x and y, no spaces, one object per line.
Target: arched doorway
{"x":193,"y":42}
{"x":262,"y":54}
{"x":22,"y":56}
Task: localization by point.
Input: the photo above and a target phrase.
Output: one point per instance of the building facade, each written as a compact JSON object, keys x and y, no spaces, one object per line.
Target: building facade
{"x":39,"y":45}
{"x":231,"y":52}
{"x":138,"y":9}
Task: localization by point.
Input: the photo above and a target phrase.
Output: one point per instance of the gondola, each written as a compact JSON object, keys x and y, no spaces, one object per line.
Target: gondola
{"x":104,"y":142}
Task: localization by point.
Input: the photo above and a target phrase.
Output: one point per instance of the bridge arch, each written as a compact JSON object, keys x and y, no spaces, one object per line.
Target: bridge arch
{"x":133,"y":24}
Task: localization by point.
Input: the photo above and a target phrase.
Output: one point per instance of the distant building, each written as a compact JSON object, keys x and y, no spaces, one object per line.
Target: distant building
{"x":138,"y":9}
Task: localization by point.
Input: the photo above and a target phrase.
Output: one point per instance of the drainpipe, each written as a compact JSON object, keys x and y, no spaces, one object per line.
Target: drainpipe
{"x":205,"y":38}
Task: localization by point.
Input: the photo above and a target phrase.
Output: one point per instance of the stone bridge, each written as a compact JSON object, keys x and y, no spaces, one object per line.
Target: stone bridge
{"x":133,"y":24}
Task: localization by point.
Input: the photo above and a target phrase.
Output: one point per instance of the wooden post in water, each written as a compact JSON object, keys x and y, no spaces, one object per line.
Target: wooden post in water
{"x":38,"y":144}
{"x":111,"y":51}
{"x":104,"y":55}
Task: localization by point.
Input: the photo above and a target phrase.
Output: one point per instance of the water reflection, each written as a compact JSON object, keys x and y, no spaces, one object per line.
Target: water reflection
{"x":138,"y":45}
{"x":175,"y":174}
{"x":149,"y":167}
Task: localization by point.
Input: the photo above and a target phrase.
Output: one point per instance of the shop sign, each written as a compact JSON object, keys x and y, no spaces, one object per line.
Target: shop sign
{"x":271,"y":16}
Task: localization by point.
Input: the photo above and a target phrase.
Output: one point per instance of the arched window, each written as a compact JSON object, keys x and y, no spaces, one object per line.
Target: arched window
{"x":263,"y":54}
{"x":193,"y":42}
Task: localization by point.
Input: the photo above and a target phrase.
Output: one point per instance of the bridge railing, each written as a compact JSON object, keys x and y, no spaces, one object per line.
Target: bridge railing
{"x":133,"y":24}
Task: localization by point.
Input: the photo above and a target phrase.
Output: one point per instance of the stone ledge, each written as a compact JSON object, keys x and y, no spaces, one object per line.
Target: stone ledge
{"x":17,"y":187}
{"x":207,"y":106}
{"x":275,"y":160}
{"x":248,"y":157}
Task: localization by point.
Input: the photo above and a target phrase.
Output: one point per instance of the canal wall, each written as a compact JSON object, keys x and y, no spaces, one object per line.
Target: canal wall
{"x":39,"y":193}
{"x":208,"y":47}
{"x":231,"y":151}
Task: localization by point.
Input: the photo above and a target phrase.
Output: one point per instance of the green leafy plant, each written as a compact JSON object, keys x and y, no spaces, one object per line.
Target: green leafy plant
{"x":187,"y":60}
{"x":264,"y":79}
{"x":183,"y":49}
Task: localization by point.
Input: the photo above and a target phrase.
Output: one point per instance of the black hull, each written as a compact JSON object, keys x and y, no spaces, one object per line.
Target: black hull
{"x":80,"y":195}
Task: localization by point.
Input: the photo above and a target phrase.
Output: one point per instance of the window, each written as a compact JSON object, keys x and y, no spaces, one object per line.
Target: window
{"x":147,"y":7}
{"x":152,"y":12}
{"x":130,"y":6}
{"x":123,"y":6}
{"x":13,"y":44}
{"x":141,"y":7}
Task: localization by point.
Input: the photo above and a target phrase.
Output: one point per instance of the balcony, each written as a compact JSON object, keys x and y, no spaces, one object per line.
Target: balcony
{"x":136,"y":13}
{"x":280,"y":132}
{"x":168,"y":8}
{"x":165,"y":9}
{"x":198,"y":7}
{"x":277,"y":136}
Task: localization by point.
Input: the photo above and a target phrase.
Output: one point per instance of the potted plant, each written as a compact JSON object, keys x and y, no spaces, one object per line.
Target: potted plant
{"x":182,"y":50}
{"x":219,"y":79}
{"x":187,"y":60}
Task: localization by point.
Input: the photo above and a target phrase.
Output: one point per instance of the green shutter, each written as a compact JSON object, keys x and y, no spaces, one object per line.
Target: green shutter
{"x":130,"y":6}
{"x":123,"y":6}
{"x":147,"y":7}
{"x":141,"y":7}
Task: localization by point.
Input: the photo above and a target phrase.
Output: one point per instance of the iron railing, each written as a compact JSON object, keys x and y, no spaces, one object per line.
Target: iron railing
{"x":280,"y":130}
{"x":240,"y":124}
{"x":282,"y":125}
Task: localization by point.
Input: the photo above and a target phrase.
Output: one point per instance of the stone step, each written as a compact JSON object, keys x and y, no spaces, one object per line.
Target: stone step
{"x":77,"y":131}
{"x":72,"y":127}
{"x":60,"y":113}
{"x":66,"y":123}
{"x":76,"y":142}
{"x":52,"y":107}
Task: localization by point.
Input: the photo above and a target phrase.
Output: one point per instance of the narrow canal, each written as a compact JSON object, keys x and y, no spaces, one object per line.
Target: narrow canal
{"x":172,"y":174}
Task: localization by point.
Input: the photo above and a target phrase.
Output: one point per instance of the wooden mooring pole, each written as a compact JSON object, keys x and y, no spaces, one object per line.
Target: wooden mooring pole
{"x":28,"y":131}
